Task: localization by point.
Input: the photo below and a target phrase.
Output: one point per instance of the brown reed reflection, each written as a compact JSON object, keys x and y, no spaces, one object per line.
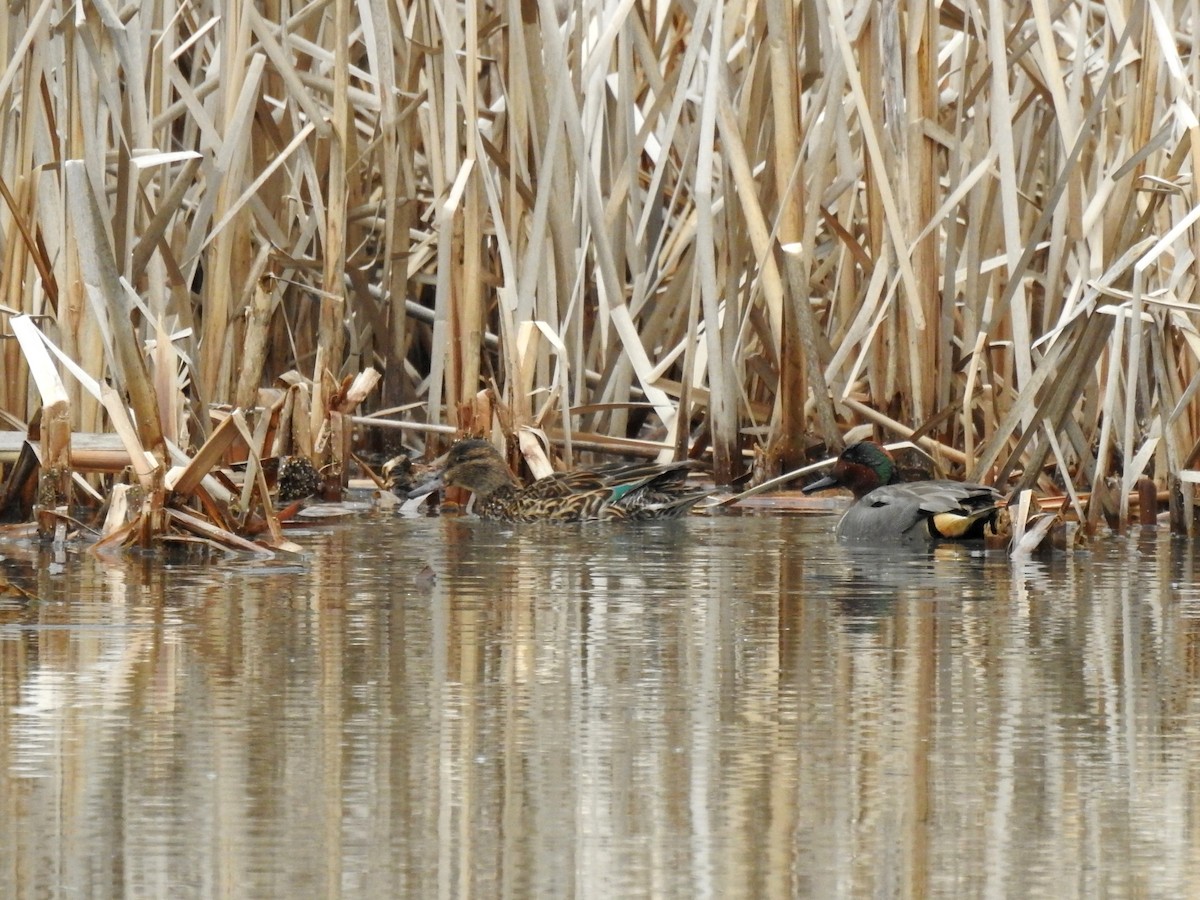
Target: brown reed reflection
{"x":728,"y":707}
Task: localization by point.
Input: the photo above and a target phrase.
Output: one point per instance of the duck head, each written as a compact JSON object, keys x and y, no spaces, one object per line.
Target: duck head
{"x":474,"y":465}
{"x":861,"y":468}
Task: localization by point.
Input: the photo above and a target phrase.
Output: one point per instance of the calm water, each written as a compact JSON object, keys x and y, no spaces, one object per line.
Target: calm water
{"x":720,"y":707}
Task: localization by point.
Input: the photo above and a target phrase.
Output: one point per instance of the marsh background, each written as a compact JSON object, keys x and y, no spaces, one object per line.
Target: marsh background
{"x":742,"y":230}
{"x":712,"y":226}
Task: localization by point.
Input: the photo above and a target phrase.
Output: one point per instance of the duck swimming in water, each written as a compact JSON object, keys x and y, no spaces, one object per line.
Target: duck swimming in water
{"x":889,"y":510}
{"x":637,"y":492}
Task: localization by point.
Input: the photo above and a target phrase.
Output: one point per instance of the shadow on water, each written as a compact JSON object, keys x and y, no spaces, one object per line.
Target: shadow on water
{"x":726,"y":707}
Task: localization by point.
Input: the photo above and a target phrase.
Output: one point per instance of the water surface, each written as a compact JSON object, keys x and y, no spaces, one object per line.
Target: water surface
{"x":719,"y":707}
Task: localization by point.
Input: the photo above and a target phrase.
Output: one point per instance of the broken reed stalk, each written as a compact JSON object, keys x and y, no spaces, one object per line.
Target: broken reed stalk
{"x":54,"y":482}
{"x":594,"y":206}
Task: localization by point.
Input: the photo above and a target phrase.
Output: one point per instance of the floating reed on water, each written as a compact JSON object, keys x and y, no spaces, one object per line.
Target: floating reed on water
{"x":710,"y":226}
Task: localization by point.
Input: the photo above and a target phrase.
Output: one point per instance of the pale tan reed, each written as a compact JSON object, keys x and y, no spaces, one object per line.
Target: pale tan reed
{"x":711,"y":226}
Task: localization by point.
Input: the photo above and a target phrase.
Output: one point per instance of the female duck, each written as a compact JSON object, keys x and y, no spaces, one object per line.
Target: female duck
{"x":889,"y":510}
{"x":646,"y":491}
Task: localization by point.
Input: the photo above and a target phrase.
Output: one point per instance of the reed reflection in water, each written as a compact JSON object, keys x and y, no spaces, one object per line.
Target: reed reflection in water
{"x":718,"y":707}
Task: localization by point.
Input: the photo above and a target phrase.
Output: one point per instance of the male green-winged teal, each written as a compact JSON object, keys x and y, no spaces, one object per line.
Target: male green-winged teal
{"x":889,"y":510}
{"x":640,"y":491}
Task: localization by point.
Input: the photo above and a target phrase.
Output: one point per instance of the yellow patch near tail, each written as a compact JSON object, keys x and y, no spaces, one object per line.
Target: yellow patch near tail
{"x":956,"y":526}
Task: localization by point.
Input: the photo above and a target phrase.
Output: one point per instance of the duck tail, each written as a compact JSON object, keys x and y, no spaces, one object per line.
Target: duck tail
{"x":957,"y":525}
{"x":662,"y":504}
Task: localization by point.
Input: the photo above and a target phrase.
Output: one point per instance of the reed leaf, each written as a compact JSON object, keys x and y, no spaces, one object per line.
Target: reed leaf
{"x":708,"y":228}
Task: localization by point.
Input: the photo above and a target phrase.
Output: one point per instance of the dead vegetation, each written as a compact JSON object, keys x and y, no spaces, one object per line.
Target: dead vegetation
{"x":743,"y":230}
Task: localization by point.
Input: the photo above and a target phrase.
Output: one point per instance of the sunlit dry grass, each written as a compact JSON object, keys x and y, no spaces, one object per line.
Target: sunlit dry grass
{"x":719,"y":225}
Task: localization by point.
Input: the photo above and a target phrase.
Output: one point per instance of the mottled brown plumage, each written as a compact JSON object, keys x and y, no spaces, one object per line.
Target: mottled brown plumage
{"x":640,"y":491}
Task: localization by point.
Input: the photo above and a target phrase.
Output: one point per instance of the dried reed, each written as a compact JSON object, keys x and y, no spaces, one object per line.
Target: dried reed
{"x":709,"y":225}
